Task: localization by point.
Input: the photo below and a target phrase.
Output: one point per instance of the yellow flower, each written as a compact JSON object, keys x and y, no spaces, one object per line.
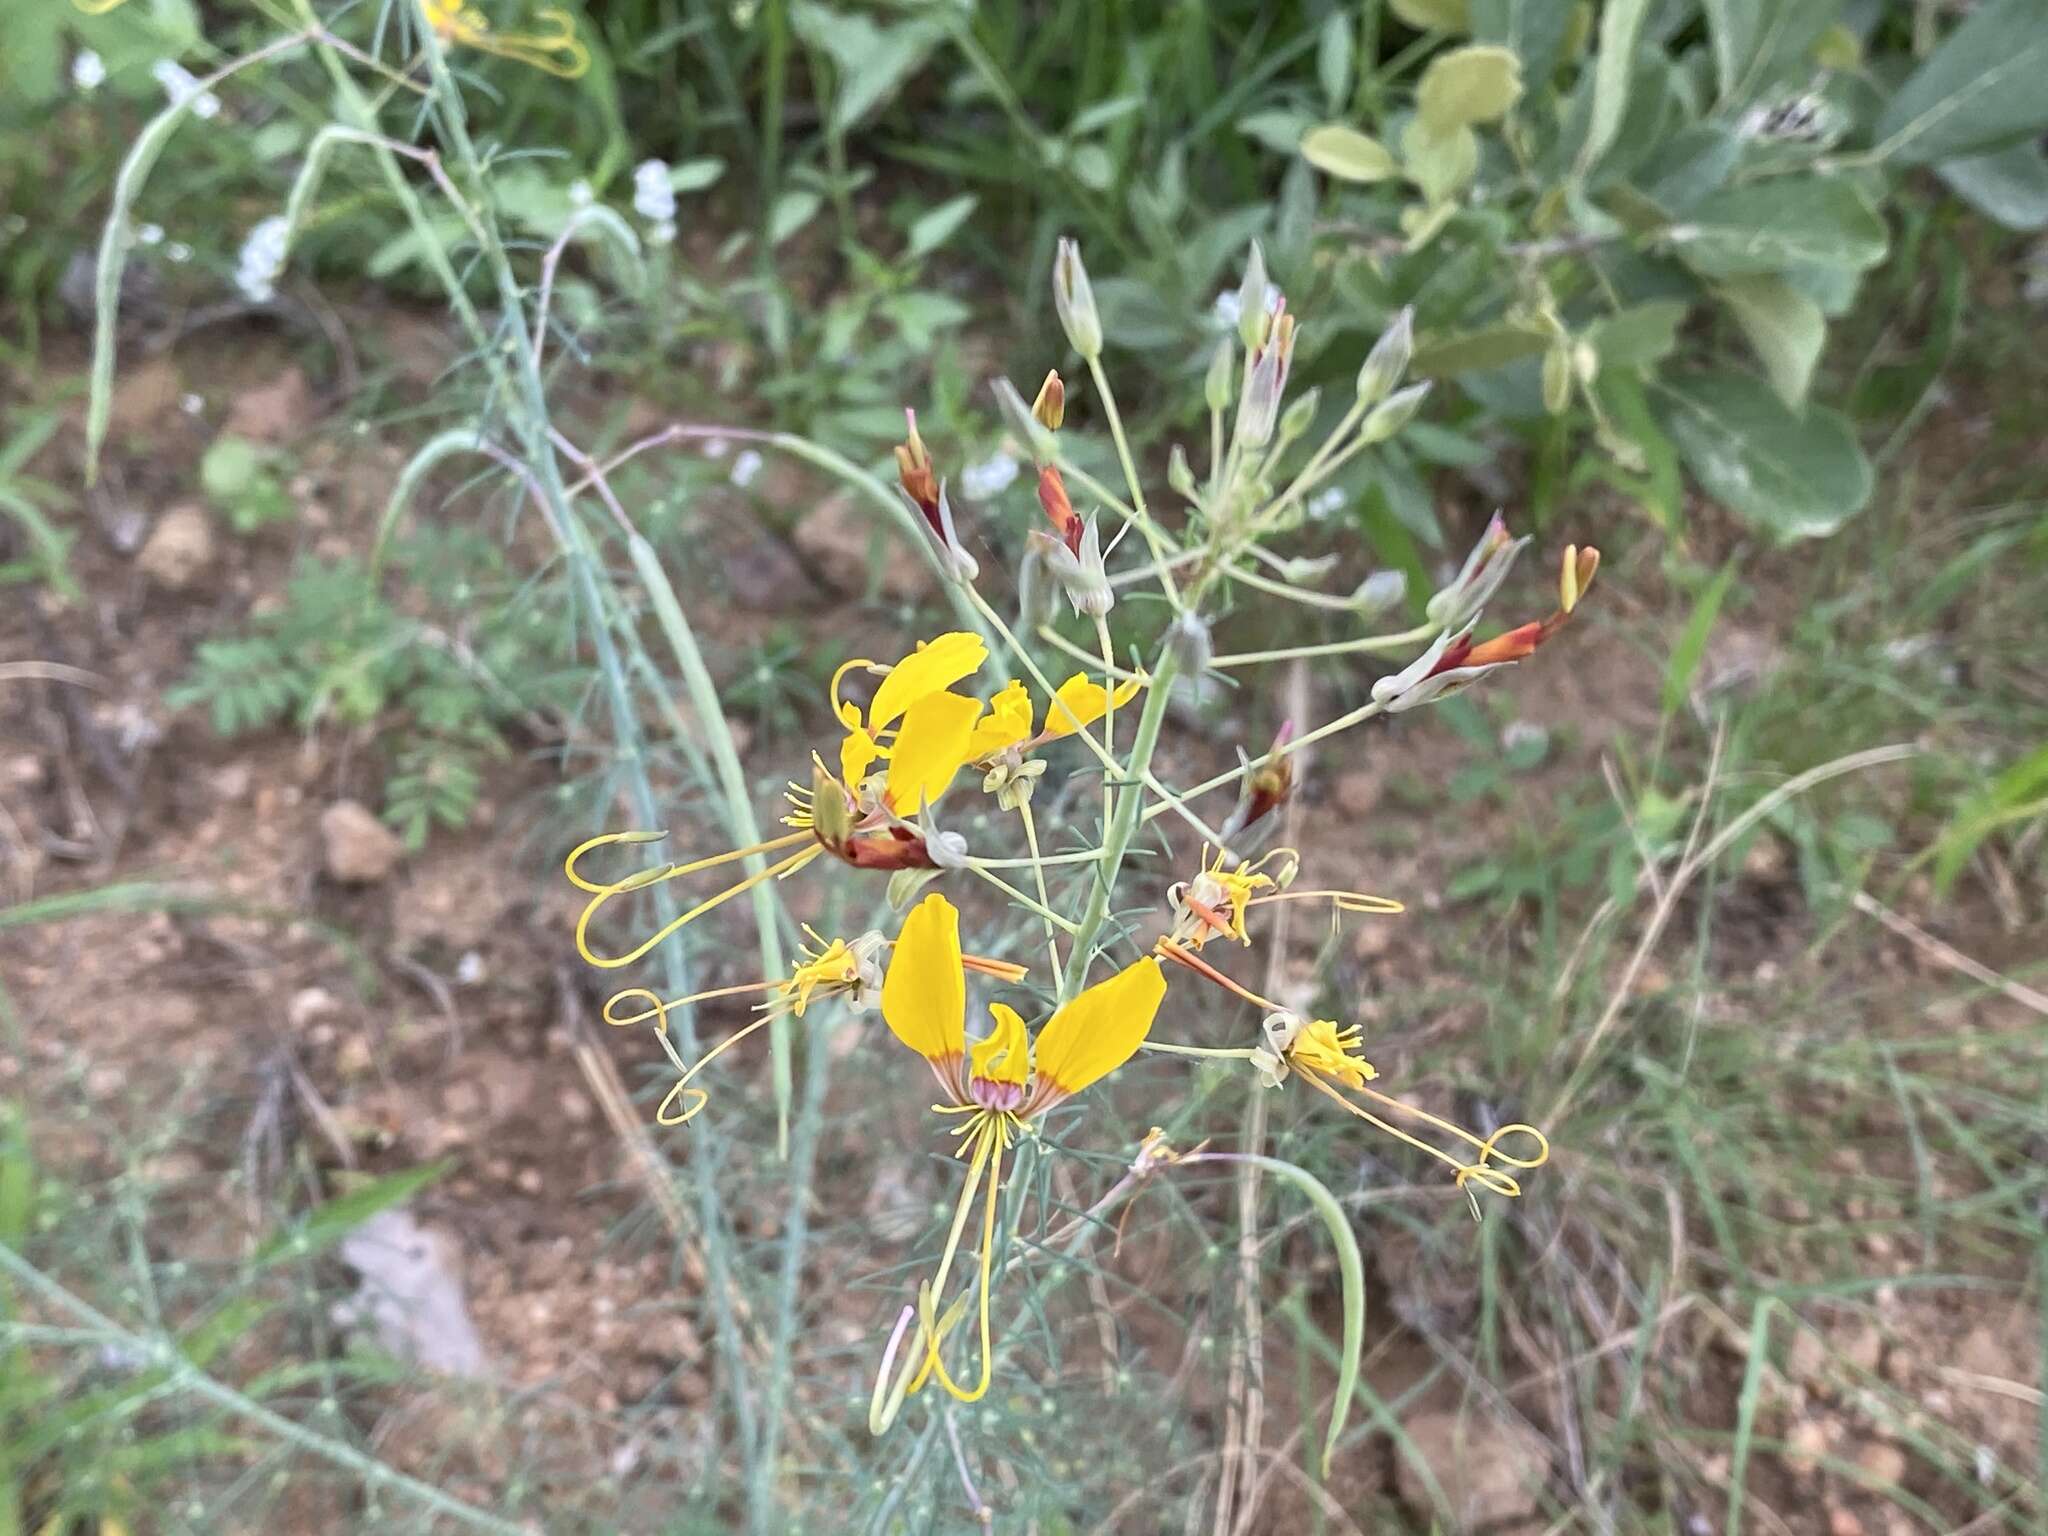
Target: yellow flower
{"x":1081,"y":701}
{"x":556,"y":49}
{"x":1225,"y":890}
{"x":824,"y":969}
{"x":999,"y":1084}
{"x":922,"y":729}
{"x":1323,"y":1047}
{"x":1006,"y":723}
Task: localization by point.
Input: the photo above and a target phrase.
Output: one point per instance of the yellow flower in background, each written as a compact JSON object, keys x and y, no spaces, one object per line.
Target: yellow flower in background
{"x":1000,"y":1084}
{"x":555,"y":49}
{"x":1081,"y":701}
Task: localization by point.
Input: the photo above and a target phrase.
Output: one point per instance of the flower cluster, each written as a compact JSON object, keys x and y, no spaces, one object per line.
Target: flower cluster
{"x":906,"y":732}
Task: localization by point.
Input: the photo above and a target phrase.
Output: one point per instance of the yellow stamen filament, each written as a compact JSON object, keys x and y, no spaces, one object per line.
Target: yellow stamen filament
{"x":1002,"y":970}
{"x":558,"y":51}
{"x":991,"y":1136}
{"x":1482,"y":1172}
{"x":1343,"y":901}
{"x":839,"y":708}
{"x":681,"y":1090}
{"x":658,"y":1008}
{"x":647,"y":877}
{"x":787,"y":866}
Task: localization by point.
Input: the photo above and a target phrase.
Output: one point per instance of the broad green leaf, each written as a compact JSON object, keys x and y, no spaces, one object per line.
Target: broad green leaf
{"x":1638,"y":336}
{"x":1441,"y":164}
{"x":1621,"y":27}
{"x":1433,"y":15}
{"x":1692,"y":642}
{"x":1762,"y":43}
{"x":934,"y":229}
{"x":695,"y":175}
{"x":1476,"y":84}
{"x":1691,"y":164}
{"x":1985,"y":86}
{"x":1333,"y":58}
{"x":2009,"y":186}
{"x":330,"y":1223}
{"x":1766,"y":226}
{"x":793,"y":210}
{"x":1493,"y":347}
{"x":872,"y":60}
{"x":1538,"y":32}
{"x":1793,"y":477}
{"x":1276,"y":129}
{"x":1732,"y":28}
{"x":1785,"y":327}
{"x":1347,"y":154}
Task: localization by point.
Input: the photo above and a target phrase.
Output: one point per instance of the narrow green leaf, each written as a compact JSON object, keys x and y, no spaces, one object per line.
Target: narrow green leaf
{"x":1638,"y":336}
{"x":1433,"y":15}
{"x":330,"y":1223}
{"x":1495,"y":346}
{"x":2020,"y":793}
{"x":1785,"y":327}
{"x":1347,"y":154}
{"x":935,"y":228}
{"x":1333,"y":58}
{"x":1621,"y":27}
{"x":1692,"y":641}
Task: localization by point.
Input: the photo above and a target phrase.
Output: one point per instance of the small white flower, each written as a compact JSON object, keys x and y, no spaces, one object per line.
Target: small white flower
{"x":191,"y":405}
{"x":261,"y":260}
{"x":178,"y":251}
{"x":150,"y":234}
{"x":663,"y":233}
{"x":1227,"y":308}
{"x":1524,"y":735}
{"x":653,"y":198}
{"x":88,"y":71}
{"x":1323,"y":503}
{"x":746,"y":466}
{"x":182,"y":87}
{"x":580,"y":195}
{"x":991,"y":477}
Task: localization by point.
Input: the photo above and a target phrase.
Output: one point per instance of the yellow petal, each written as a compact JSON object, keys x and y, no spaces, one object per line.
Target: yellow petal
{"x":1082,"y":701}
{"x":857,"y":755}
{"x":924,"y":994}
{"x":1007,"y":722}
{"x":1102,"y":1028}
{"x":934,"y":665}
{"x":932,"y":746}
{"x":1005,"y":1055}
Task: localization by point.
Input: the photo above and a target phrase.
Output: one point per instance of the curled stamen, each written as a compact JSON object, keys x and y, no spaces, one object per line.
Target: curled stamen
{"x":694,"y":1099}
{"x":1481,"y":1172}
{"x":995,"y":1137}
{"x":1168,"y":950}
{"x":787,"y":866}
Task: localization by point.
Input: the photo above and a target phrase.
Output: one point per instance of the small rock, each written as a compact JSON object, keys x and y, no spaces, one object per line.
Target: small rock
{"x":309,"y":1005}
{"x":411,"y":1294}
{"x":275,"y":412}
{"x":179,"y":548}
{"x":143,"y":394}
{"x":1373,"y":937}
{"x":529,"y":1181}
{"x":462,"y":1100}
{"x":836,"y":537}
{"x":1490,"y":1470}
{"x":576,"y":1106}
{"x":230,"y":782}
{"x":1357,"y":792}
{"x":1807,"y":1359}
{"x":353,"y":1058}
{"x":1885,"y":1462}
{"x":1805,"y":1443}
{"x":1843,"y":1522}
{"x":105,"y":1080}
{"x":358,"y":848}
{"x":1864,"y":1348}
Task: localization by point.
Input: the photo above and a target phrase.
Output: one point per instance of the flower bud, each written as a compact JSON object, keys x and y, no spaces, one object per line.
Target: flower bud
{"x":1300,"y":416}
{"x":1222,"y":368}
{"x":1379,"y":592}
{"x":1251,"y":300}
{"x":1179,"y":473}
{"x":1190,"y":643}
{"x":1050,"y":408}
{"x":1393,"y":413}
{"x":1075,"y":300}
{"x":1388,"y":359}
{"x":1575,"y":575}
{"x":1018,"y":417}
{"x":1078,"y":569}
{"x":1258,"y":408}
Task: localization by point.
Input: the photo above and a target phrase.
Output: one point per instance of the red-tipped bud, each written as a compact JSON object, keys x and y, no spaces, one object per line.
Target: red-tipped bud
{"x":914,"y":473}
{"x":1052,"y":496}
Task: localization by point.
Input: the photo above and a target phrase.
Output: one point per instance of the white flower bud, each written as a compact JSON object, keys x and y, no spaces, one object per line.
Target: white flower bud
{"x":1074,"y":298}
{"x":1393,"y":413}
{"x":1252,"y":300}
{"x":1388,"y":359}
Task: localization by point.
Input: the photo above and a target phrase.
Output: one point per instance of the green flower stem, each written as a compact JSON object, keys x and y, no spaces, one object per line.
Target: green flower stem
{"x":1320,"y":733}
{"x":1052,"y":947}
{"x":1421,"y":634}
{"x":981,"y":871}
{"x":1154,"y":539}
{"x":163,"y":1354}
{"x":1061,"y":643}
{"x":1122,"y":826}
